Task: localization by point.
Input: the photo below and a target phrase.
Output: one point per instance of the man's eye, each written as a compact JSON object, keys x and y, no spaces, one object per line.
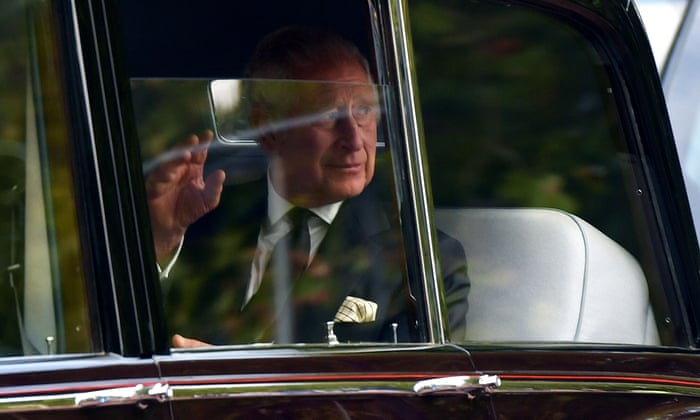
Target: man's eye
{"x":328,"y":116}
{"x":364,"y":113}
{"x":361,"y":114}
{"x":362,"y":110}
{"x":332,"y":115}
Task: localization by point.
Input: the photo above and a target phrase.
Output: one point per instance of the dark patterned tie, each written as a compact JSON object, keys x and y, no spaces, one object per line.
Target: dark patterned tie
{"x":271,"y":308}
{"x":298,"y":241}
{"x":289,"y":260}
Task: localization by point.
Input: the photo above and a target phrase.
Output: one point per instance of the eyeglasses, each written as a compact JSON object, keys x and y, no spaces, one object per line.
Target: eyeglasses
{"x":363,"y":115}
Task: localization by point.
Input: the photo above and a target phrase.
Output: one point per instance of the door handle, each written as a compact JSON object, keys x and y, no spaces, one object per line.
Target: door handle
{"x":466,"y":384}
{"x":158,"y":391}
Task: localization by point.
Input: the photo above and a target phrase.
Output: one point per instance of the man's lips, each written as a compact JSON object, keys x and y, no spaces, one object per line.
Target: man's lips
{"x":346,"y":166}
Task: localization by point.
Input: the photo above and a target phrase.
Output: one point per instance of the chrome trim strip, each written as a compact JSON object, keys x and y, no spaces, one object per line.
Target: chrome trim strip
{"x":473,"y":386}
{"x":463,"y":384}
{"x":419,"y":187}
{"x":631,"y":386}
{"x":291,"y":388}
{"x":125,"y":395}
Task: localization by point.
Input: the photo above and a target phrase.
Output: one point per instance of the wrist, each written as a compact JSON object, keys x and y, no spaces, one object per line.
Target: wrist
{"x":164,"y":269}
{"x":166,"y":245}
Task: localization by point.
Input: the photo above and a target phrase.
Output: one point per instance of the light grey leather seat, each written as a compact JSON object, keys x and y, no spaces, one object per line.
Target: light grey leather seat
{"x":546,"y":275}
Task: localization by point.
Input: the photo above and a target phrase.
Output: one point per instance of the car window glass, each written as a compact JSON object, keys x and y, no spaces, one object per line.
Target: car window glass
{"x":213,"y":279}
{"x":210,"y":289}
{"x":42,"y":290}
{"x":531,"y":172}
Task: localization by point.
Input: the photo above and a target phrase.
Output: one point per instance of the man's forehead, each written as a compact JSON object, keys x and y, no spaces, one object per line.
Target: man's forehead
{"x":327,"y":93}
{"x":329,"y":90}
{"x":345,"y":70}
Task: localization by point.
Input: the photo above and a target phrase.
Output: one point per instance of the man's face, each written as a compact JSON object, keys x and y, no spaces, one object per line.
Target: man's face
{"x":331,"y":158}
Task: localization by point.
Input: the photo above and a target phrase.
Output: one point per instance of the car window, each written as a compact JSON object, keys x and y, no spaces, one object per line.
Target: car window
{"x":531,"y":171}
{"x":209,"y":286}
{"x":43,"y":292}
{"x":215,"y":277}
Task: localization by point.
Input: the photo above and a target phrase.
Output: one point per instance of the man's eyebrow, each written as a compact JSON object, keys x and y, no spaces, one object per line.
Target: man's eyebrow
{"x":362,"y":91}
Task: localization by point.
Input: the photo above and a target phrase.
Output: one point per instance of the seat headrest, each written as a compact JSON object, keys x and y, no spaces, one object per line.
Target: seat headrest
{"x":546,"y":275}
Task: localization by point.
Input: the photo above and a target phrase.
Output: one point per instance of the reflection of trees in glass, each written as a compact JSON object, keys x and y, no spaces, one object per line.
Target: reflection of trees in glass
{"x":13,"y":70}
{"x":168,"y":111}
{"x":74,"y":329}
{"x":13,"y":73}
{"x":515,"y":113}
{"x":29,"y":56}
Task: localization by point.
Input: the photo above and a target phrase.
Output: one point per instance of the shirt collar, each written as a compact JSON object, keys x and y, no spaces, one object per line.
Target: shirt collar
{"x":277,"y":206}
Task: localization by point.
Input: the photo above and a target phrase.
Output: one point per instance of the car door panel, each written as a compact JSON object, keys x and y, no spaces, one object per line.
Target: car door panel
{"x":300,"y":382}
{"x":82,"y":387}
{"x":593,"y":383}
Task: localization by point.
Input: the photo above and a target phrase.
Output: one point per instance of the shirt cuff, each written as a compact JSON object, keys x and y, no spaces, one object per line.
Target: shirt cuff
{"x":165,"y":272}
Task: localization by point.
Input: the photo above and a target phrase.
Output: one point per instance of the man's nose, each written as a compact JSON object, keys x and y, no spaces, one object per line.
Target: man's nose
{"x":349,"y":132}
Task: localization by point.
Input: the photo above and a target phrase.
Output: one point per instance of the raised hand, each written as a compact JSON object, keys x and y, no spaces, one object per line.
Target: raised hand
{"x":178,"y":194}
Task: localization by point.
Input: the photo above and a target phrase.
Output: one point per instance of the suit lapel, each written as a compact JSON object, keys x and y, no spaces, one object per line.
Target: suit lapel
{"x":360,"y":256}
{"x":348,"y":258}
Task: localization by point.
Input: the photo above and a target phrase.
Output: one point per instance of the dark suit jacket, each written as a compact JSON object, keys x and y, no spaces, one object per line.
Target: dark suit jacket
{"x":361,"y":255}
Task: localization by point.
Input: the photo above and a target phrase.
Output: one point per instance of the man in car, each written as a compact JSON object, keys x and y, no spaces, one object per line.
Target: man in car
{"x":224,"y":236}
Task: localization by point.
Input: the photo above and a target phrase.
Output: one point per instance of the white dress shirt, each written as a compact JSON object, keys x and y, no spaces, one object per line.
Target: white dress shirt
{"x":277,"y":227}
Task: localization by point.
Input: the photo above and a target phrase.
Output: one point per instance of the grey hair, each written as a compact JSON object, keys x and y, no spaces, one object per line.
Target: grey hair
{"x":288,"y":52}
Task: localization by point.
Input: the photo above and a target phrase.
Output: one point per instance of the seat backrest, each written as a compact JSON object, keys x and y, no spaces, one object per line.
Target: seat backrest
{"x":546,"y":275}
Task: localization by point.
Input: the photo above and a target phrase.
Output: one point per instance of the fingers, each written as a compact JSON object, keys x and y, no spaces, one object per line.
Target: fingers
{"x":200,"y":146}
{"x":158,"y":180}
{"x":172,"y":163}
{"x":183,"y":342}
{"x":175,"y":164}
{"x":191,"y":150}
{"x":213,"y":186}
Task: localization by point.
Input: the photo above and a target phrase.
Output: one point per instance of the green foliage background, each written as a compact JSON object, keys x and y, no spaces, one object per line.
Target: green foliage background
{"x":517,"y":112}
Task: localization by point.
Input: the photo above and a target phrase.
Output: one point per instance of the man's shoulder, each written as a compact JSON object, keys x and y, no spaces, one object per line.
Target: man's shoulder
{"x":369,"y":212}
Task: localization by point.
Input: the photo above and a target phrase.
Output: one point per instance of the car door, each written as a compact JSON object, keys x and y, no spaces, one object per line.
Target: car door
{"x":539,"y":116}
{"x":71,"y":344}
{"x":185,"y":67}
{"x":534,"y":134}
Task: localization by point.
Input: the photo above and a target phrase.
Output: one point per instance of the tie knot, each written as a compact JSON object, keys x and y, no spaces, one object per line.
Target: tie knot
{"x":298,"y":216}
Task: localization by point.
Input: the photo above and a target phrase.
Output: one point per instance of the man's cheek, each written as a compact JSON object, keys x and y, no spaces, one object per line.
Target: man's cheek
{"x":369,"y":173}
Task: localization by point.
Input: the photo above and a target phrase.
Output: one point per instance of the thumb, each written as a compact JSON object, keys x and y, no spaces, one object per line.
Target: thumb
{"x":183,"y":342}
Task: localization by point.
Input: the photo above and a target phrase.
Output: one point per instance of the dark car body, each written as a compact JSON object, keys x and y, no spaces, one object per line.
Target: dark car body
{"x":533,"y":131}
